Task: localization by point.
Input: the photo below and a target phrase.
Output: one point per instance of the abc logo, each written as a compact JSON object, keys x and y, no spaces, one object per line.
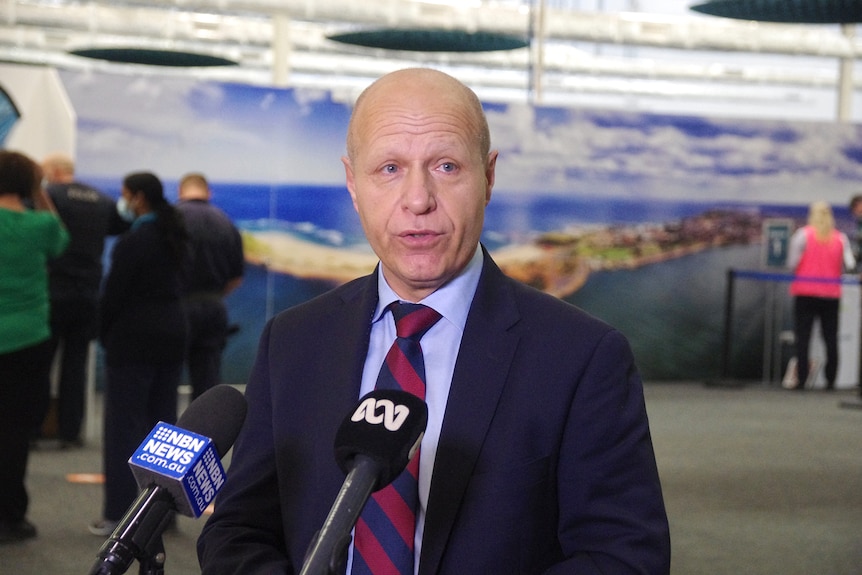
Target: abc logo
{"x":377,"y":411}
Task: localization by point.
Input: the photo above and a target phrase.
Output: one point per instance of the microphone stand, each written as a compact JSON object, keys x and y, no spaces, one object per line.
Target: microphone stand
{"x":152,"y":561}
{"x":138,"y":536}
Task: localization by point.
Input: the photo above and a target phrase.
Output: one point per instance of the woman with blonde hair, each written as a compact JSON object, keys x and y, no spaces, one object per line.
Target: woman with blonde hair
{"x":818,"y":255}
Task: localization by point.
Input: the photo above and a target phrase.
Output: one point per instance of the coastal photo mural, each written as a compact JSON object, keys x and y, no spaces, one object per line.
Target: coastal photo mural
{"x":633,"y":216}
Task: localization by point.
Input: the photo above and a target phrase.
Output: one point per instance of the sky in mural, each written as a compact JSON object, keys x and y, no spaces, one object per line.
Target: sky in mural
{"x":244,"y":133}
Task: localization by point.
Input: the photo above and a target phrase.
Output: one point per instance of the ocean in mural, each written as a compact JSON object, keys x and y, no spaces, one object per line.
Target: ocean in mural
{"x":303,"y":240}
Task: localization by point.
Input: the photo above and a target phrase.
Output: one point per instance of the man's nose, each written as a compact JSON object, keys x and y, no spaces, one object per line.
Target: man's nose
{"x":419,"y":195}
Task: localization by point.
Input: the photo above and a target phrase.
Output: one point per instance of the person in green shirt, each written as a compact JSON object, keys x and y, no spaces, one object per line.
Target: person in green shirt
{"x":28,"y":239}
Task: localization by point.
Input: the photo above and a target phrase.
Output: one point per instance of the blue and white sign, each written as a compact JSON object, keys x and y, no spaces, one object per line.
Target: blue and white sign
{"x":188,"y":459}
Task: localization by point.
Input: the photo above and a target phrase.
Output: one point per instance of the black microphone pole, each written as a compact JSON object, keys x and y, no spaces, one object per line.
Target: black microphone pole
{"x":328,"y":551}
{"x":138,"y":536}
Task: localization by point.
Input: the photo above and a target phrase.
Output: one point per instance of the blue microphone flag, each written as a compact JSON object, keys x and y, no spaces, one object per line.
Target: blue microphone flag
{"x":183,"y":462}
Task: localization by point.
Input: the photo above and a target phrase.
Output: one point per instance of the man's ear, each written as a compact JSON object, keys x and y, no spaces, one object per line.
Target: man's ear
{"x":490,"y":174}
{"x":349,"y":179}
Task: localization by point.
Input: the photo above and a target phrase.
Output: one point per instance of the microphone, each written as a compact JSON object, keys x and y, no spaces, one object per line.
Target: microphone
{"x":178,"y":468}
{"x":372,"y":446}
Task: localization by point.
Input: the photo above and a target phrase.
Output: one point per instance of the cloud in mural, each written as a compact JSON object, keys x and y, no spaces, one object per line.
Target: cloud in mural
{"x":675,"y":157}
{"x":247,"y":133}
{"x":230,"y":132}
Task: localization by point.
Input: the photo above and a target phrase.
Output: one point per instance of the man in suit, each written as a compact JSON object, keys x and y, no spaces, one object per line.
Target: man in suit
{"x":537,"y":457}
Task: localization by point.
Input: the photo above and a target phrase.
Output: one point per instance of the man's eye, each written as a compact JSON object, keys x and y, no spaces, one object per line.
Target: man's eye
{"x":390,"y":169}
{"x":447,"y":167}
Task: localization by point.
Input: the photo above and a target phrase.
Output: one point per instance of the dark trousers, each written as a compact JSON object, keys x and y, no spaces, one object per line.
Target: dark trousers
{"x":21,"y":375}
{"x":806,"y":310}
{"x":206,"y":315}
{"x":73,"y":327}
{"x":137,"y":396}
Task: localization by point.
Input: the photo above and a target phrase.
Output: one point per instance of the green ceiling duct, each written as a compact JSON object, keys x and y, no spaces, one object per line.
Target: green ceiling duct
{"x":423,"y":40}
{"x":786,"y":11}
{"x":151,"y":57}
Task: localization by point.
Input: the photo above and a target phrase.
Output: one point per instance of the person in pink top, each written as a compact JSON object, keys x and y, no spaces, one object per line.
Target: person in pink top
{"x":818,"y":256}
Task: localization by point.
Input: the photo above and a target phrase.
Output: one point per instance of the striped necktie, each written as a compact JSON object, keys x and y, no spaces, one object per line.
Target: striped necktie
{"x":385,"y":530}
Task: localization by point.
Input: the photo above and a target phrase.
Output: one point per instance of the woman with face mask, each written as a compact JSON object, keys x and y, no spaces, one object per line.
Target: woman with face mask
{"x":143,"y":332}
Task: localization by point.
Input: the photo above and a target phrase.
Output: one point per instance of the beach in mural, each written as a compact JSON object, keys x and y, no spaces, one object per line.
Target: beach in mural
{"x":661,"y":281}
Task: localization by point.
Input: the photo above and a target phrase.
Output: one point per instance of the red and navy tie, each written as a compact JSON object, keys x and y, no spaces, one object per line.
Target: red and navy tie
{"x":384,"y":533}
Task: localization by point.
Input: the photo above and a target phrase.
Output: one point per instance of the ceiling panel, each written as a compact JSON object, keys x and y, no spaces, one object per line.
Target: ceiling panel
{"x":658,"y":47}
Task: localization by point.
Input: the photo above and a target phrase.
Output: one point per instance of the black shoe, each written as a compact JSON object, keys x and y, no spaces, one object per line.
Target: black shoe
{"x":11,"y":531}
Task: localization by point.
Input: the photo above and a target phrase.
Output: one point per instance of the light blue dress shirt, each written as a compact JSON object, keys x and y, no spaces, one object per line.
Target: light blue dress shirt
{"x":440,"y":350}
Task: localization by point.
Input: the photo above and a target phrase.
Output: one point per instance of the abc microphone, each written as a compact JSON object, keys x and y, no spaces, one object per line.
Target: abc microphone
{"x":372,"y":446}
{"x":178,"y":468}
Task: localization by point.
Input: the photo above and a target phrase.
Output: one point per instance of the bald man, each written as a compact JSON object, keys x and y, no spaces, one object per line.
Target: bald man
{"x":216,"y":269}
{"x":90,"y":216}
{"x":537,"y":457}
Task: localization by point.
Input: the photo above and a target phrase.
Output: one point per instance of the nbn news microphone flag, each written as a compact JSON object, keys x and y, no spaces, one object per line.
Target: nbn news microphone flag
{"x":189,"y":459}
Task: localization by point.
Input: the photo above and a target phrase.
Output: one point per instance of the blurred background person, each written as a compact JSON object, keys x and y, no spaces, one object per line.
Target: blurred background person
{"x":818,"y":256}
{"x":856,"y":212}
{"x":215,"y":270}
{"x":74,"y":280}
{"x":856,"y":243}
{"x":143,"y":331}
{"x":28,"y":239}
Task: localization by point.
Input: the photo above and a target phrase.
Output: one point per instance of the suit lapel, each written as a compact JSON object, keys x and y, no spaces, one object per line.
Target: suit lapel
{"x":337,"y":376}
{"x":353,"y":331}
{"x":480,"y":373}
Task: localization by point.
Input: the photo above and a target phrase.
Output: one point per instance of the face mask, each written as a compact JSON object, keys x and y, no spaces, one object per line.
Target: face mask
{"x":125,"y":210}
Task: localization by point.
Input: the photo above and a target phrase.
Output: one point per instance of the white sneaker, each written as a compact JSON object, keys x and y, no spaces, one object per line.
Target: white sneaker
{"x":102,"y":527}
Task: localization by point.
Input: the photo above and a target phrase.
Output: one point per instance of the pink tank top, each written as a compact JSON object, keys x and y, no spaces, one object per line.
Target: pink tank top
{"x":824,"y":260}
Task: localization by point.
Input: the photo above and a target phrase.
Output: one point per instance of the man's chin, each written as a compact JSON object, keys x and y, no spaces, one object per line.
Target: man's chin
{"x":420,"y":276}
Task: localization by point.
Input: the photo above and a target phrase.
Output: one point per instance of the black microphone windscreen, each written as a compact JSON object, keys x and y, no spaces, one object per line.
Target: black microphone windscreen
{"x":386,"y":426}
{"x":218,"y":414}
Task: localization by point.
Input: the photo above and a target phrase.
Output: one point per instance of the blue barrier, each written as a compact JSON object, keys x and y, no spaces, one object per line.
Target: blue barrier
{"x":772,"y":276}
{"x":733,"y":274}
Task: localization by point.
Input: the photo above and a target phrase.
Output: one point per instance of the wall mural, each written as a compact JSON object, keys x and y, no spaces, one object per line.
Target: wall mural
{"x":632,"y":216}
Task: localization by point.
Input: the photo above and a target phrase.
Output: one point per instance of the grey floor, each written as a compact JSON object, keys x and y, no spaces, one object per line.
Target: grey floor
{"x":757,"y":481}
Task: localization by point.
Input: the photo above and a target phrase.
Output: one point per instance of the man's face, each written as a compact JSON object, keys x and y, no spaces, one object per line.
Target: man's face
{"x":856,"y":210}
{"x":420,"y":184}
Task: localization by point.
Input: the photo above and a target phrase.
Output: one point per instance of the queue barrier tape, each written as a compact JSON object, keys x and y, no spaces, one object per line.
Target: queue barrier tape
{"x":773,"y":276}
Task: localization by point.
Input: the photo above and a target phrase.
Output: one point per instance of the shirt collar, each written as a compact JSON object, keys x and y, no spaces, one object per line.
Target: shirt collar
{"x":451,"y":301}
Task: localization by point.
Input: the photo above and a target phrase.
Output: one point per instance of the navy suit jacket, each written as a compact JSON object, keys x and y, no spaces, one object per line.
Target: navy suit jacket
{"x":545,"y":462}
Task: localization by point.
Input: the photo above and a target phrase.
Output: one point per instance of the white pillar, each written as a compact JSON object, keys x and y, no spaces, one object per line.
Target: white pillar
{"x":281,"y":49}
{"x":538,"y":49}
{"x":845,"y":79}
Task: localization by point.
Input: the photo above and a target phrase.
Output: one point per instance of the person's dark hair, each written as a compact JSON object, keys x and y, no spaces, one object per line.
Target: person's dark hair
{"x":169,"y":221}
{"x":855,"y":200}
{"x":19,"y":174}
